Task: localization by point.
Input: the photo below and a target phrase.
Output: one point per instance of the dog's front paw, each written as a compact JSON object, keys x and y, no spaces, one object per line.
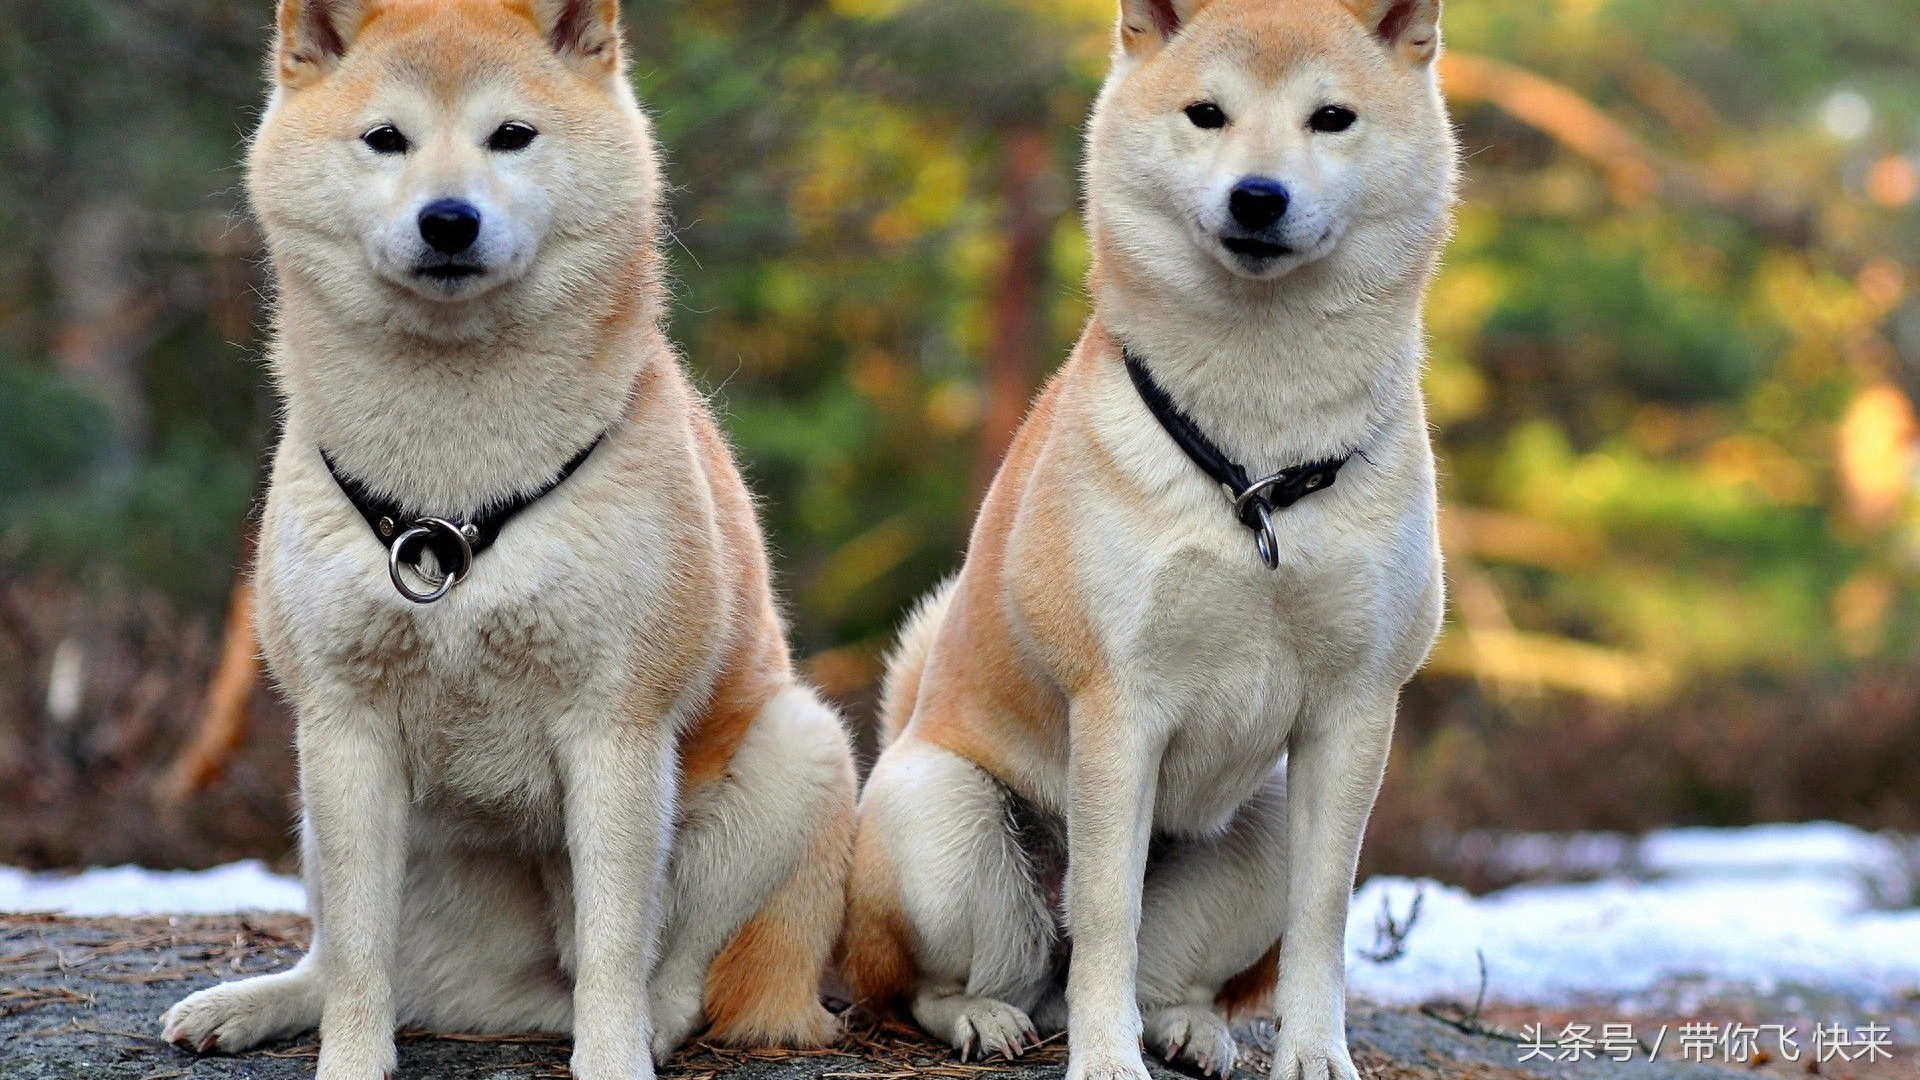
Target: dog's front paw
{"x":597,"y":1060}
{"x":1195,"y":1034}
{"x":341,"y":1061}
{"x":1105,"y":1062}
{"x":1312,"y":1057}
{"x":1104,"y":1055}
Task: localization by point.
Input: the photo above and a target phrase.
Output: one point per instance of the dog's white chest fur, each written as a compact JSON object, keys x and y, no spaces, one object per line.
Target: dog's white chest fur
{"x":473,"y":688}
{"x":475,"y":702}
{"x":1229,"y":652}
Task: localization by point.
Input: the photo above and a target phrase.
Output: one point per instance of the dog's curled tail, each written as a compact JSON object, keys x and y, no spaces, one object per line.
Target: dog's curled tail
{"x":900,"y":688}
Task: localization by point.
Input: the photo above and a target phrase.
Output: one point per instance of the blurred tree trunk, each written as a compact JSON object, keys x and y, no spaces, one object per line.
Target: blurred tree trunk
{"x":1016,"y":300}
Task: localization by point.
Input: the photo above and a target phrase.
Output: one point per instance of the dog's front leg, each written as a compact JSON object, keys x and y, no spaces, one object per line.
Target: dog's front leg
{"x":1335,"y":761}
{"x":354,"y":786}
{"x":618,"y":775}
{"x":1113,"y":766}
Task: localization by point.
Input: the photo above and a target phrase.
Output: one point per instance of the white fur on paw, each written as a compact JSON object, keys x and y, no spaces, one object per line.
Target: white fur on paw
{"x":1312,"y":1059}
{"x":357,"y":1067}
{"x":1104,"y":1066}
{"x":230,"y":1018}
{"x":598,"y":1061}
{"x":357,"y":1049}
{"x":983,"y":1026}
{"x":1195,"y":1034}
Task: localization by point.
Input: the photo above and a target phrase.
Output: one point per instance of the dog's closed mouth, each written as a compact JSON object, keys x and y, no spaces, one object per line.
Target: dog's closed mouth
{"x":1254,"y":248}
{"x":450,"y":272}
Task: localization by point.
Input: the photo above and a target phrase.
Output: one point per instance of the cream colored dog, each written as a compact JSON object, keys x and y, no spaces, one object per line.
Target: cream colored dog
{"x":1117,"y":712}
{"x":594,"y":740}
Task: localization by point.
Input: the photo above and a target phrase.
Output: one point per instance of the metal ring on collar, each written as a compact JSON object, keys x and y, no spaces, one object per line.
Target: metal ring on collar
{"x":1265,"y":540}
{"x":420,"y":532}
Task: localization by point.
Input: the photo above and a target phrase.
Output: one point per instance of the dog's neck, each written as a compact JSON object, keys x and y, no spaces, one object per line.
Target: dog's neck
{"x":448,"y":427}
{"x":1275,"y":373}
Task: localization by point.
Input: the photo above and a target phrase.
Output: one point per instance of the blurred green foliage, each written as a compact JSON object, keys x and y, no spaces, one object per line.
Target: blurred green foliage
{"x":51,"y":429}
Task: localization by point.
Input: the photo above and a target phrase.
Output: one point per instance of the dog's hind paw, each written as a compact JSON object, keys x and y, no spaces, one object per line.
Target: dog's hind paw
{"x":240,"y":1015}
{"x":1195,"y":1035}
{"x":987,"y":1026}
{"x":977,"y":1026}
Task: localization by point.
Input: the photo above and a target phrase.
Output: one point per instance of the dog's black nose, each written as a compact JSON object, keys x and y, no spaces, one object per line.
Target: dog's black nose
{"x":449,"y":226}
{"x":1257,"y":203}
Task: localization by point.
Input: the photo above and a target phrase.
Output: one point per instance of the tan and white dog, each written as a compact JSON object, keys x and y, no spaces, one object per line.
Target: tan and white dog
{"x":1117,"y":713}
{"x":595,"y":742}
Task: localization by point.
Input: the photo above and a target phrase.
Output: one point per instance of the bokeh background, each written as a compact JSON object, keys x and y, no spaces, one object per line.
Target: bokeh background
{"x":1676,"y":350}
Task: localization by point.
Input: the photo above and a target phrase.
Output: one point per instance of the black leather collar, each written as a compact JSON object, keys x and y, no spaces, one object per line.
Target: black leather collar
{"x":1254,"y":501}
{"x":454,"y":541}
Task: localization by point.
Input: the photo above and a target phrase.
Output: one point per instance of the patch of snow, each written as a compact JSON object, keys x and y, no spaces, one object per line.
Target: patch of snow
{"x":1821,"y":850}
{"x":1762,"y":906}
{"x":130,"y":890}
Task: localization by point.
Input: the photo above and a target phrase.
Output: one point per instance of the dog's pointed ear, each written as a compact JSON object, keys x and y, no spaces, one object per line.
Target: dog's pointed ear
{"x":313,"y":36}
{"x":1145,"y":25}
{"x":1411,"y":28}
{"x":586,"y":33}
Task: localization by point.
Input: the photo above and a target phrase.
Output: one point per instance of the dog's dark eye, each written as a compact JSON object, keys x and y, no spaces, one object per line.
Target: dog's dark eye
{"x":1205,"y":114}
{"x":510,"y":136}
{"x":1332,"y":118}
{"x":385,"y":139}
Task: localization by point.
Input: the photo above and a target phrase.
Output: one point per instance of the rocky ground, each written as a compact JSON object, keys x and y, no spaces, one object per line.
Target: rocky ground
{"x":81,"y":998}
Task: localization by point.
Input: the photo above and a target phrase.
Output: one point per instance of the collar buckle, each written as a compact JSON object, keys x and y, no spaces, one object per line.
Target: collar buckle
{"x":1289,"y":486}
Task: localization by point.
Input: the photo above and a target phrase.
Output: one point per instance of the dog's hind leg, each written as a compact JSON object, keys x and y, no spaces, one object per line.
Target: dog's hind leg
{"x":972,"y":902}
{"x":756,"y":886}
{"x":1211,"y":915}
